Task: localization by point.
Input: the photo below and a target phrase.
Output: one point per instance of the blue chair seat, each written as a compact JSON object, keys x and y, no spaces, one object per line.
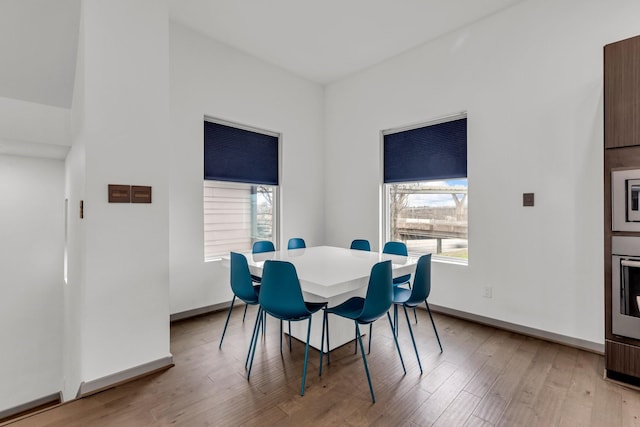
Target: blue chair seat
{"x":402,"y":295}
{"x":398,"y":281}
{"x":351,"y":308}
{"x":314,"y":306}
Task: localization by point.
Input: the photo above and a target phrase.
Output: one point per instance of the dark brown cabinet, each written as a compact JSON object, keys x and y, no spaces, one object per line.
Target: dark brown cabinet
{"x":621,"y":151}
{"x":622,"y":93}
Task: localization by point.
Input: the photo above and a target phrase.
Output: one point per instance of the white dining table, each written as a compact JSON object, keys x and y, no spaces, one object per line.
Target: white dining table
{"x":330,"y":274}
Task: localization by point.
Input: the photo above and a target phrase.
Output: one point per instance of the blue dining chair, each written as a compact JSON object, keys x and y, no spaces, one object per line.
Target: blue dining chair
{"x":296,"y":243}
{"x":399,"y":248}
{"x":241,"y":285}
{"x":365,"y":311}
{"x":415,"y":296}
{"x":259,"y":247}
{"x":361,"y":245}
{"x":281,"y":297}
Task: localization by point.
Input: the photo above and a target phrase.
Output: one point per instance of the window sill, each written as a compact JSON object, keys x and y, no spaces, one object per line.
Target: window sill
{"x":448,"y":260}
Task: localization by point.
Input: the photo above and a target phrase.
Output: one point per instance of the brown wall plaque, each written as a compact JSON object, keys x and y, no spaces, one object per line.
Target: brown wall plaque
{"x":119,"y":193}
{"x":140,"y":194}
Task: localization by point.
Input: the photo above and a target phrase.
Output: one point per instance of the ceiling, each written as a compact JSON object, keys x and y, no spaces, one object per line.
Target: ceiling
{"x":325,"y":40}
{"x":38,"y":44}
{"x":321,"y":41}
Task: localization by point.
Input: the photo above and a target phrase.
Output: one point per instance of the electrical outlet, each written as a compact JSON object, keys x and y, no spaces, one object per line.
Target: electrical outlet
{"x":487,"y":292}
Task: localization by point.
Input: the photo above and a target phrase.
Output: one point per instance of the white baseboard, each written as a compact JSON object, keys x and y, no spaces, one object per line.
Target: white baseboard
{"x":94,"y":386}
{"x":204,"y":310}
{"x":52,"y":399}
{"x":581,"y":344}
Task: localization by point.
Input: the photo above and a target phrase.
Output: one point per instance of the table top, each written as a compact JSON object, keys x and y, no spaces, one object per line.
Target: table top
{"x":327,"y":271}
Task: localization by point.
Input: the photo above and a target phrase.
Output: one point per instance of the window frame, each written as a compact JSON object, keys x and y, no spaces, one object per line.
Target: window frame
{"x":277,"y":193}
{"x":384,"y":194}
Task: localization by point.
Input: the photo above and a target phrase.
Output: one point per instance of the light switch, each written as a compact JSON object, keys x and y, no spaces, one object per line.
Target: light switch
{"x":119,"y":193}
{"x":140,"y":194}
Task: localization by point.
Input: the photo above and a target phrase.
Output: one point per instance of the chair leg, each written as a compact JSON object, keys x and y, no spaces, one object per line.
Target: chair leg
{"x":227,"y":321}
{"x":289,"y":336}
{"x":396,"y":341}
{"x":370,"y":335}
{"x":364,"y":359}
{"x":355,"y":340}
{"x":412,"y":337}
{"x":395,"y":319}
{"x":324,"y":325}
{"x":433,"y":324}
{"x":281,"y":336}
{"x":245,"y":312}
{"x":306,"y":359}
{"x":254,"y":337}
{"x":328,"y":345}
{"x":415,"y":315}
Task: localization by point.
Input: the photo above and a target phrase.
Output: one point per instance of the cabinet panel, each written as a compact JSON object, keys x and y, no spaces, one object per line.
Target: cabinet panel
{"x":622,"y":358}
{"x":622,"y":93}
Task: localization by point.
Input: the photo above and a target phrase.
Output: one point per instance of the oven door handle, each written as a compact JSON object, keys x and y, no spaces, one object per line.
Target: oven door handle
{"x":630,"y":263}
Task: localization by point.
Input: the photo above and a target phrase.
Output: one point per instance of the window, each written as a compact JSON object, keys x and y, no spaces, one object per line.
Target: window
{"x":425,"y":187}
{"x":240,"y":193}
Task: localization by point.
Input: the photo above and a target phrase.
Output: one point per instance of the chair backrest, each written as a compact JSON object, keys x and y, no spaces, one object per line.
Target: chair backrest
{"x":361,"y":245}
{"x":241,"y":284}
{"x":296,"y":243}
{"x":263,"y":246}
{"x":395,"y":248}
{"x":379,"y":293}
{"x":421,"y":280}
{"x":280,"y":293}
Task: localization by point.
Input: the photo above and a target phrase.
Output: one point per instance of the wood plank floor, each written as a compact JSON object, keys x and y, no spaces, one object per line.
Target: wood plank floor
{"x":484,"y":377}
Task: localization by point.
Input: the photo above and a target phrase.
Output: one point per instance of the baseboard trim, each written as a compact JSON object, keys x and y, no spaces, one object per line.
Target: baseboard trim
{"x":95,"y":386}
{"x":202,"y":310}
{"x":581,"y":344}
{"x":26,"y":408}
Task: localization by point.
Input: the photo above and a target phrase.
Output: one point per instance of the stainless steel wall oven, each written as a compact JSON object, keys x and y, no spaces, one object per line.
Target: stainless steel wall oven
{"x":625,"y":200}
{"x":625,"y":286}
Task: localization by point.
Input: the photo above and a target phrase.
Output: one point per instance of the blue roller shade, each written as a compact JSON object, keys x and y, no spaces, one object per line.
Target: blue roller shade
{"x":428,"y":153}
{"x":239,"y":155}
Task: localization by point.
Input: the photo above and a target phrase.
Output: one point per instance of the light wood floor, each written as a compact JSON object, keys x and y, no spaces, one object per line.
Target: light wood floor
{"x":485,"y":377}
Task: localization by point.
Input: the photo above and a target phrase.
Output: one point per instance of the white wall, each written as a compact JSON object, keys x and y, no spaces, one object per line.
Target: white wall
{"x":208,"y":78}
{"x":31,"y":289}
{"x":119,"y":265}
{"x":530,"y":79}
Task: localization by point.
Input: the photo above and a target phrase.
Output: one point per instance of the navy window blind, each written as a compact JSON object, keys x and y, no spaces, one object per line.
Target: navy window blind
{"x":427,"y":153}
{"x":239,"y":155}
